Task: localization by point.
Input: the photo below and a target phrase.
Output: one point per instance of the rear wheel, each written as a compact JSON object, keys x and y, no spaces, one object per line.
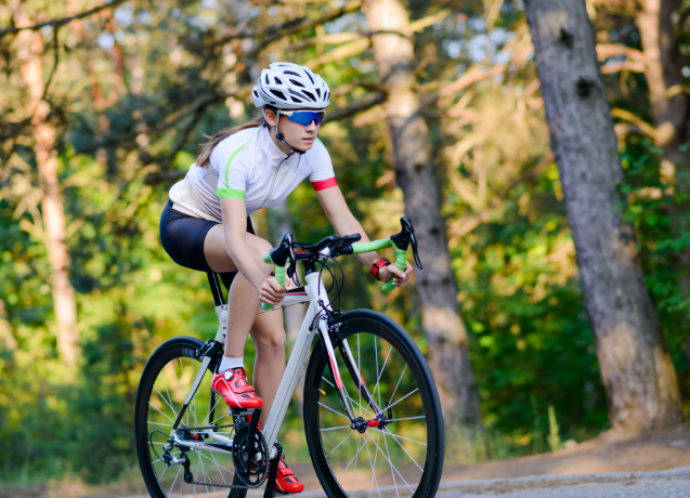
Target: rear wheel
{"x":403,"y":456}
{"x":164,"y":386}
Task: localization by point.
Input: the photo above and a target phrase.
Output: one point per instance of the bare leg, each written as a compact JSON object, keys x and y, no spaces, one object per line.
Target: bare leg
{"x":268,"y":334}
{"x":267,"y":329}
{"x":243,"y":299}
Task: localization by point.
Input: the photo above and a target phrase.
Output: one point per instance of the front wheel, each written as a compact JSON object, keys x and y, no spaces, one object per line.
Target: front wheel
{"x":399,"y":450}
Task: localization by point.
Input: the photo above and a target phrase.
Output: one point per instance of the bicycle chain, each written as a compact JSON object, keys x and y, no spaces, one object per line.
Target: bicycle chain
{"x":238,"y":486}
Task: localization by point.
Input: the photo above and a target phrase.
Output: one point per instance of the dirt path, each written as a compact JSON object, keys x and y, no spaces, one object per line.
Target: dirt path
{"x":656,"y":451}
{"x":651,"y":452}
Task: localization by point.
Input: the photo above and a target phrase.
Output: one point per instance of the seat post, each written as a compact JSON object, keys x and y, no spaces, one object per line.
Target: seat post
{"x":215,"y":288}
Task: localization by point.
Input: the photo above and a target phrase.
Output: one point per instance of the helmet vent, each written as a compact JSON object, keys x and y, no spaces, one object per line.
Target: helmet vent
{"x":290,"y":86}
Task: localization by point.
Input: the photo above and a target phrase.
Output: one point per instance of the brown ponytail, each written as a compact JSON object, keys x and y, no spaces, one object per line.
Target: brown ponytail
{"x":205,"y":154}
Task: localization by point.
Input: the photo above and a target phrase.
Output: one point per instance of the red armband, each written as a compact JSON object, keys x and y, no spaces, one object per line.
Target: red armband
{"x":324,"y":184}
{"x":377,"y":266}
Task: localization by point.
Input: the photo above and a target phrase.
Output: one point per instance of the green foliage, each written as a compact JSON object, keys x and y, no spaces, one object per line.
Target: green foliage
{"x":531,"y":345}
{"x":653,"y":207}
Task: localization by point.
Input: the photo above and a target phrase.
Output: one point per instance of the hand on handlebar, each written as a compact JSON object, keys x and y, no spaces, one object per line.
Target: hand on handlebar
{"x":401,"y":277}
{"x":271,"y":292}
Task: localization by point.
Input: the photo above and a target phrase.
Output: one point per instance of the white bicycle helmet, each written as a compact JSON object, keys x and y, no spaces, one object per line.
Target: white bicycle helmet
{"x":285,"y":85}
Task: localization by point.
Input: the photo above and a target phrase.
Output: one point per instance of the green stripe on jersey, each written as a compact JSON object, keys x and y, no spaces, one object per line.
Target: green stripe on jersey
{"x":230,"y":193}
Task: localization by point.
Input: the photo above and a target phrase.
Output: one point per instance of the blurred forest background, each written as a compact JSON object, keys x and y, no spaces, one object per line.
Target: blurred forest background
{"x":103,"y":107}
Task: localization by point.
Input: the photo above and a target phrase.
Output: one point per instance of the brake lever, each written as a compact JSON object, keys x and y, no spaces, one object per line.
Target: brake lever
{"x":293,"y":263}
{"x":406,"y":236}
{"x":417,"y":261}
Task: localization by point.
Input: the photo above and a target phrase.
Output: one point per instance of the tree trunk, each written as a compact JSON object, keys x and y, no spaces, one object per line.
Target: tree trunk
{"x":669,"y":109}
{"x":636,"y":369}
{"x":29,"y":49}
{"x":415,"y":173}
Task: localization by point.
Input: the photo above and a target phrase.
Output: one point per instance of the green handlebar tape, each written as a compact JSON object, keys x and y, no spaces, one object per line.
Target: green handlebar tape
{"x":280,"y":277}
{"x":374,"y":245}
{"x":401,"y":263}
{"x":267,"y":258}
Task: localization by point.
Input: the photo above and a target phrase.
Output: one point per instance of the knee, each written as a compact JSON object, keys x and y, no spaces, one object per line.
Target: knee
{"x":272,"y":344}
{"x":261,"y":248}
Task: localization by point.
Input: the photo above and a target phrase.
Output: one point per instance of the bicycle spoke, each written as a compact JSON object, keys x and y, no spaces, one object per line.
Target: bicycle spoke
{"x":362,"y":407}
{"x":390,"y":462}
{"x":208,"y":476}
{"x":353,"y":459}
{"x":405,"y":450}
{"x":341,"y":442}
{"x":405,"y":438}
{"x":397,"y":385}
{"x":158,"y":423}
{"x":359,"y":368}
{"x":378,"y":379}
{"x":334,"y":411}
{"x":373,"y":473}
{"x":217,"y":419}
{"x":217,"y":466}
{"x":176,"y":476}
{"x":354,"y":474}
{"x":165,"y":400}
{"x":212,"y":410}
{"x":165,"y":384}
{"x":408,"y":394}
{"x":159,"y":411}
{"x":335,"y":428}
{"x":395,"y":483}
{"x":179,"y":383}
{"x":376,"y":355}
{"x":164,"y":471}
{"x":408,"y":418}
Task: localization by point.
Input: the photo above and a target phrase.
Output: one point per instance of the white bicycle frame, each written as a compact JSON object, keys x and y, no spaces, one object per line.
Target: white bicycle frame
{"x":316,"y":295}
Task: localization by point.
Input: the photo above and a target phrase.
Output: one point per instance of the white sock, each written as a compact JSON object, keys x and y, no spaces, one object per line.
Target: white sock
{"x":227,"y":363}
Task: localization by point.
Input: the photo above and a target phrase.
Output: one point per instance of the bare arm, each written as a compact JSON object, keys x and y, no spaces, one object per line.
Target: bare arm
{"x":248,"y":262}
{"x":345,"y":223}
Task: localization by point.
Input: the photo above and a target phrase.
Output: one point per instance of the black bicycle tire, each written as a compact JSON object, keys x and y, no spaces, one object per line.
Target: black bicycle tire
{"x":352,"y":322}
{"x":161,"y":356}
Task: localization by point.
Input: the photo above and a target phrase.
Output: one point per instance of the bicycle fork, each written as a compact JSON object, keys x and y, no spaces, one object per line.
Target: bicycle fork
{"x":358,"y":423}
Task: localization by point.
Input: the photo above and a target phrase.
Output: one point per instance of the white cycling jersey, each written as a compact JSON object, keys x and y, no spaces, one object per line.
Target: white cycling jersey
{"x":249,"y":165}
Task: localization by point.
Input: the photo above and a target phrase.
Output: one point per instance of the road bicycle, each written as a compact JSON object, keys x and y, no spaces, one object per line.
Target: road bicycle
{"x":372,"y":416}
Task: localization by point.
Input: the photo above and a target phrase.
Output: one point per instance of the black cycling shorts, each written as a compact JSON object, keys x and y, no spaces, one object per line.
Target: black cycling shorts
{"x":183,"y":238}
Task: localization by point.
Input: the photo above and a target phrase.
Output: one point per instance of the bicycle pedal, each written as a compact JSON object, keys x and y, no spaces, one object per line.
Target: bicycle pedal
{"x":240,"y":413}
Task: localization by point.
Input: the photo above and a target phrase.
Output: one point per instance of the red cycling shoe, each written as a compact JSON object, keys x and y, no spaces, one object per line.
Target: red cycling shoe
{"x":236,"y":391}
{"x":286,"y":481}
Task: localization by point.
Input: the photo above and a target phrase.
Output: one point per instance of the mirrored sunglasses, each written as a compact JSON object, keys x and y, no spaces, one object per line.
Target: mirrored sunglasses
{"x":305,"y":117}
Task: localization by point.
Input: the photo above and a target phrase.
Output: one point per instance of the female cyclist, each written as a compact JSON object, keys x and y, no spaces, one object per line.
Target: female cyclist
{"x":206,"y":225}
